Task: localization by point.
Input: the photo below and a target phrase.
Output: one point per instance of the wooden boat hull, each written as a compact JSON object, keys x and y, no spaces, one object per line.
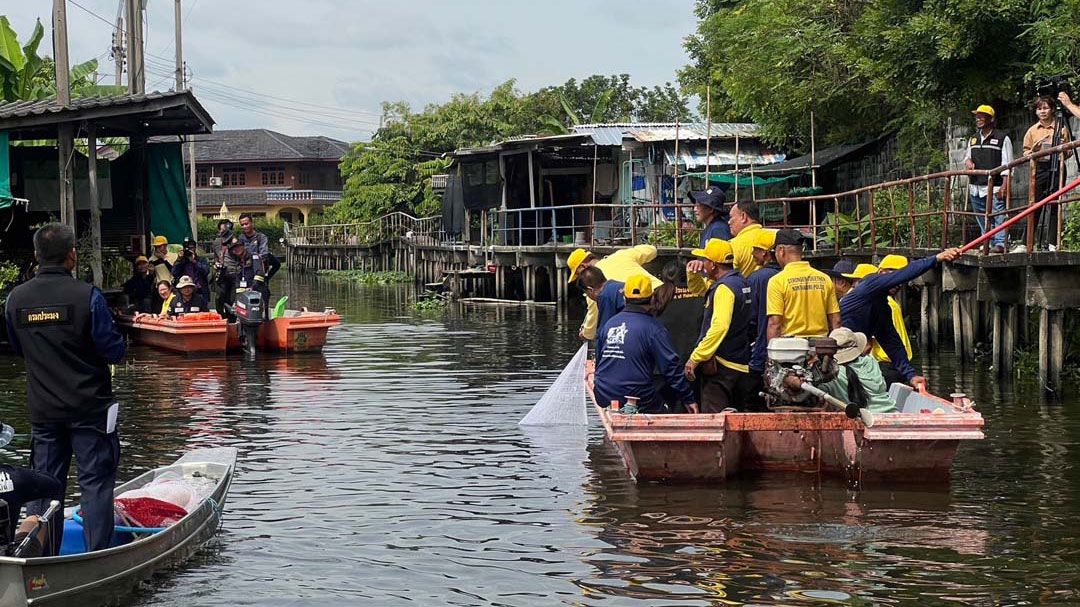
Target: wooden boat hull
{"x":909,"y":446}
{"x":295,"y":332}
{"x":106,"y":574}
{"x":186,"y":337}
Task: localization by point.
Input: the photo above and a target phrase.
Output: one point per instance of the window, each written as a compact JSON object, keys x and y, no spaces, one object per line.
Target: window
{"x":274,"y":175}
{"x":233,"y":176}
{"x":202,"y":177}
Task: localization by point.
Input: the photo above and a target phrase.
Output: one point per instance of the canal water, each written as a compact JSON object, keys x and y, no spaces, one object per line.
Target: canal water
{"x":390,"y":470}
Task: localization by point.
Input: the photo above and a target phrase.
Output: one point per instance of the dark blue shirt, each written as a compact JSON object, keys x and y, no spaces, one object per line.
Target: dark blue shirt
{"x":865,"y":309}
{"x":610,"y":302}
{"x":759,"y":292}
{"x":717,"y":228}
{"x":107,"y":339}
{"x":629,"y":347}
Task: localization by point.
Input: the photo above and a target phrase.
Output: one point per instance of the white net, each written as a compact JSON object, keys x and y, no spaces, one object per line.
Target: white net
{"x":564,"y":402}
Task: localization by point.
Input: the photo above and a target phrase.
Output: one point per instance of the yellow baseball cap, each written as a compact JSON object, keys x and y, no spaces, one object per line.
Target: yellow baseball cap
{"x":984,"y":109}
{"x":160,"y":240}
{"x":765,"y":239}
{"x":861,"y":271}
{"x":638,"y":286}
{"x":141,"y":258}
{"x":574,"y":261}
{"x":893,"y":262}
{"x":716,"y":250}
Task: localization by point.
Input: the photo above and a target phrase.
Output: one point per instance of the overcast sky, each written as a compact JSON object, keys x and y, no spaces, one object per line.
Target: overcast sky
{"x":325,"y":66}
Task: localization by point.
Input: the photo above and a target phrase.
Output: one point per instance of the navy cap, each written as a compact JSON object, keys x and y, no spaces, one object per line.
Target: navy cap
{"x":789,"y":236}
{"x":844,"y":266}
{"x":711,"y":197}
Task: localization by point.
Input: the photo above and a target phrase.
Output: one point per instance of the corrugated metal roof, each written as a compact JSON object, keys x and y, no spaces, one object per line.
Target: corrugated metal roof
{"x":665,"y":131}
{"x":717,"y":158}
{"x":602,"y":135}
{"x":38,"y":107}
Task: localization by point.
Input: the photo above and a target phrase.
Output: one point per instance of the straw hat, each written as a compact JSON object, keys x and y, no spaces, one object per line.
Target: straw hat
{"x":185,"y":281}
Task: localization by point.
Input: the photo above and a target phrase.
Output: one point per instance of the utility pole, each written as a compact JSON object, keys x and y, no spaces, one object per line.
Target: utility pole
{"x":181,"y":85}
{"x":179,"y":51}
{"x":118,"y":50}
{"x":65,"y":140}
{"x":136,"y":65}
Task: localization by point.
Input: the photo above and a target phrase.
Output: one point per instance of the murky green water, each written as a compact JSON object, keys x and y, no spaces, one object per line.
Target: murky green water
{"x":390,"y":471}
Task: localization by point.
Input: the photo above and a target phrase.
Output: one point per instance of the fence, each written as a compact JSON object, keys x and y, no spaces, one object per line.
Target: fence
{"x":924,"y":212}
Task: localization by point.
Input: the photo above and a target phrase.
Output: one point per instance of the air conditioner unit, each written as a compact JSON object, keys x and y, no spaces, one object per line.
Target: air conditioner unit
{"x":215,"y":182}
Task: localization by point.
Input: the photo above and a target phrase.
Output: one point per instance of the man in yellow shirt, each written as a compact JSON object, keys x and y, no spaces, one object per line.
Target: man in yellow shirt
{"x":724,"y":341}
{"x":745,"y":223}
{"x":801,"y":301}
{"x":619,"y":266}
{"x":890,"y":264}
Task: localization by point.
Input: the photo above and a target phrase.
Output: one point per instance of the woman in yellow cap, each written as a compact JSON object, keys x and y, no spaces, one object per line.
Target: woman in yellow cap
{"x":629,"y":347}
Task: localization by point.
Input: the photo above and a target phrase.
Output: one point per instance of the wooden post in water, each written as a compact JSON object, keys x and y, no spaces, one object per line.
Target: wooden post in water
{"x":997,"y":331}
{"x":1008,"y":338}
{"x":958,"y":325}
{"x":968,"y":317}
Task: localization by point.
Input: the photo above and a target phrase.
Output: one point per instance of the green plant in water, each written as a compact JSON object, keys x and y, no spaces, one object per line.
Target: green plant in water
{"x":430,"y":303}
{"x":367,"y":278}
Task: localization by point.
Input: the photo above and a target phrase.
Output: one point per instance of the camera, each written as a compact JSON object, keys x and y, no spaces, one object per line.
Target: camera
{"x":1050,"y":86}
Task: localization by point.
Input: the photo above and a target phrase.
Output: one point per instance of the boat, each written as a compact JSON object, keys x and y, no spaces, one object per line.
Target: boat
{"x":918,"y":443}
{"x":103,"y":575}
{"x":293,"y":331}
{"x":197,"y":333}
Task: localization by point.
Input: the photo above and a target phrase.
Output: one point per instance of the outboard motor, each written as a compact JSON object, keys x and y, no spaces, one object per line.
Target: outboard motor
{"x":248,"y":308}
{"x":795,"y":369}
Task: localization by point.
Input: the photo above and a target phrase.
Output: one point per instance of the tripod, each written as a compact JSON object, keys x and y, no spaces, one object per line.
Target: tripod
{"x":1042,"y":229}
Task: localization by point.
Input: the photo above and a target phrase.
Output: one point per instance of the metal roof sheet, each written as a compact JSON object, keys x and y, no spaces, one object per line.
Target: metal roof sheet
{"x":666,"y":131}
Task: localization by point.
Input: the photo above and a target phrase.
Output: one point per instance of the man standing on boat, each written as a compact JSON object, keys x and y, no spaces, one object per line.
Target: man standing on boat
{"x":800,"y":301}
{"x":723,"y":349}
{"x":745,"y":224}
{"x":710,"y":210}
{"x":62,"y":327}
{"x":865,"y":309}
{"x":631,"y":345}
{"x":764,"y":241}
{"x":258,"y":246}
{"x":620,"y":265}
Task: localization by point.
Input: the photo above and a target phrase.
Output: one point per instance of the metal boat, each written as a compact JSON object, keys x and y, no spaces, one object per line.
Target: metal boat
{"x":917,"y":443}
{"x":95,"y":577}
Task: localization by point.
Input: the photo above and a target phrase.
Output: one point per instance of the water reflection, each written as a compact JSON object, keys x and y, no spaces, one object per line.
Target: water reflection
{"x":390,"y":471}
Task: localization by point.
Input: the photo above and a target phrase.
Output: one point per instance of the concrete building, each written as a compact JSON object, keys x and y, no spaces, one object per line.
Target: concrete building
{"x":266,"y":173}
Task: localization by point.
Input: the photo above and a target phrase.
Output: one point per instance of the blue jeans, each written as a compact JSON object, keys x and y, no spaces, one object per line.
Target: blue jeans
{"x":978,"y":205}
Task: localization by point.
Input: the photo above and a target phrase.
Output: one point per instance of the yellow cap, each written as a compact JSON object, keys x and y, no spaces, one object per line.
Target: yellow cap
{"x":893,"y":262}
{"x":765,"y":239}
{"x":861,"y":271}
{"x":638,"y":286}
{"x":716,"y":250}
{"x":160,"y":240}
{"x":984,"y":109}
{"x":574,"y":261}
{"x":141,"y":258}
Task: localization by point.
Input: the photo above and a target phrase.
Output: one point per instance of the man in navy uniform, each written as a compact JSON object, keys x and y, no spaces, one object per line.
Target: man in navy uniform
{"x":629,"y":347}
{"x":63,"y":328}
{"x":710,"y":210}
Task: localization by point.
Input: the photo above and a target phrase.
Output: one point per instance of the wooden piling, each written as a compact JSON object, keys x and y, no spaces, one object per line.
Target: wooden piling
{"x":997,"y":335}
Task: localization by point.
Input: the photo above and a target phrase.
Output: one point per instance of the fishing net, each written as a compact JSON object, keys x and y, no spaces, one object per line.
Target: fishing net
{"x":148,"y":512}
{"x":564,"y":402}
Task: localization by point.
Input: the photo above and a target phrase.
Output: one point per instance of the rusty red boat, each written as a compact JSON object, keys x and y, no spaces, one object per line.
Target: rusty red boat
{"x":917,"y":443}
{"x":199,"y":333}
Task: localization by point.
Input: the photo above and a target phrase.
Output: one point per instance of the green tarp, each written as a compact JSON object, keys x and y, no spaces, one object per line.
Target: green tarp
{"x":5,"y":173}
{"x":167,"y":192}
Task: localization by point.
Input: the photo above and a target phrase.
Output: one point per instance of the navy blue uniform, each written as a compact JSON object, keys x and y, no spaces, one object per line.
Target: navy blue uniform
{"x":865,"y":309}
{"x":717,"y":228}
{"x":629,"y":347}
{"x":64,"y":330}
{"x":759,"y":292}
{"x":609,"y":302}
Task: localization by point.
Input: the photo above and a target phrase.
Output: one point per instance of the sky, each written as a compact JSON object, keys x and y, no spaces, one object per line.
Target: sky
{"x":324,"y":67}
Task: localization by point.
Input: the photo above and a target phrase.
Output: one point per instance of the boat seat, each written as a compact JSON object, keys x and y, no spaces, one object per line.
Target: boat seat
{"x":909,"y":401}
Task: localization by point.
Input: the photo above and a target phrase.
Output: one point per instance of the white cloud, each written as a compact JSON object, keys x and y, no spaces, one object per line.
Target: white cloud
{"x":336,"y":61}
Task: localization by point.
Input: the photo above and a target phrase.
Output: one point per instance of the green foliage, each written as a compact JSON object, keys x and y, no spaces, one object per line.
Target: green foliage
{"x":24,"y":75}
{"x":431,"y":302}
{"x":664,"y":235}
{"x":876,"y":66}
{"x":367,"y":278}
{"x":9,"y":273}
{"x":1070,"y":231}
{"x":392,"y":171}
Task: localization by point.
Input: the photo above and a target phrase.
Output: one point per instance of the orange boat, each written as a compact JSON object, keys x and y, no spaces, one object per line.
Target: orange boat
{"x":917,"y":443}
{"x":198,"y":333}
{"x":295,"y":331}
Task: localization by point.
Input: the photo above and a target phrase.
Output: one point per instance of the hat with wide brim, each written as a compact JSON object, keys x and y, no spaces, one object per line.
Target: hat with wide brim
{"x":185,"y":281}
{"x":849,"y":344}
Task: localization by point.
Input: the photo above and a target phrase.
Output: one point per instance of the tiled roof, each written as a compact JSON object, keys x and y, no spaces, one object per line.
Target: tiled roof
{"x":264,"y":145}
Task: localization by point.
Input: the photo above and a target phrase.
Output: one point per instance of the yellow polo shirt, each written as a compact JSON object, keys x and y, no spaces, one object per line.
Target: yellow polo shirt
{"x":803,"y":297}
{"x":742,"y":245}
{"x":901,"y":330}
{"x":620,"y":266}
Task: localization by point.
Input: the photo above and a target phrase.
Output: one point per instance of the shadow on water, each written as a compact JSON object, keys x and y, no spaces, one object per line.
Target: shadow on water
{"x":390,"y":471}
